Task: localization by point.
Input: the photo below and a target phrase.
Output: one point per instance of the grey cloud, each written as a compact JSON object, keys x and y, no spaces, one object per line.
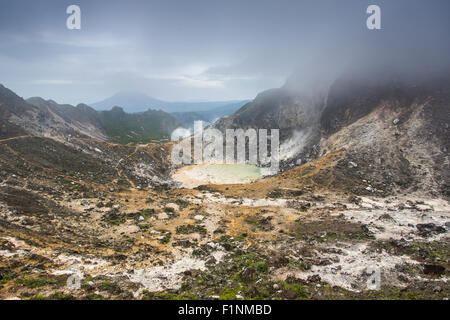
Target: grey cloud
{"x":207,"y":50}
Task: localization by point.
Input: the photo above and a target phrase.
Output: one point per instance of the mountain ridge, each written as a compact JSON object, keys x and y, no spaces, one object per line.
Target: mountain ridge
{"x":133,"y":102}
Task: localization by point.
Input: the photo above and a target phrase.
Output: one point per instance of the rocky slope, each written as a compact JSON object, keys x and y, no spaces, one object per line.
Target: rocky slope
{"x":396,"y":135}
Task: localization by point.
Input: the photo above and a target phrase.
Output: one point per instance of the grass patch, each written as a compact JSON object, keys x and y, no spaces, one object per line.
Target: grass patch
{"x":261,"y":266}
{"x":296,"y":287}
{"x":169,"y":210}
{"x":188,"y":229}
{"x":36,"y":282}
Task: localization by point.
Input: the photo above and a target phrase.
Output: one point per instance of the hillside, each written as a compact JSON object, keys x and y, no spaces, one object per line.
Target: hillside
{"x":187,"y":119}
{"x":137,"y":128}
{"x":133,"y":102}
{"x":392,"y":131}
{"x":113,"y":125}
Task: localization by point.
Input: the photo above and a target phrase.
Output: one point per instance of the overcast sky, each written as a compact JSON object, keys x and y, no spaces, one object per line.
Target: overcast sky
{"x":199,"y":49}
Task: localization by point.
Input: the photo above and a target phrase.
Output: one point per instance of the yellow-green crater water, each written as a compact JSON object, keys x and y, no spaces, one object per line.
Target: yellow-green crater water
{"x":195,"y":175}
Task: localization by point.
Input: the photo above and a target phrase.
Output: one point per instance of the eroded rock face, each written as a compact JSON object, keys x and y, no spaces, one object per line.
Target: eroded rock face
{"x":294,"y":113}
{"x":387,"y":126}
{"x":278,"y":260}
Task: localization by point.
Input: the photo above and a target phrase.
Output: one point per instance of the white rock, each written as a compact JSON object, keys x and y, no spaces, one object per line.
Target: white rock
{"x":163,"y":216}
{"x":352,"y":164}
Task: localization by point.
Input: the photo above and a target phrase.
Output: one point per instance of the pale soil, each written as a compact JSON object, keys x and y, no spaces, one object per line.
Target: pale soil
{"x":164,"y":266}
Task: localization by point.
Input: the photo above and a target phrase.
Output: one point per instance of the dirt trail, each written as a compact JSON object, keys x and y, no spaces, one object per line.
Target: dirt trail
{"x":15,"y":138}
